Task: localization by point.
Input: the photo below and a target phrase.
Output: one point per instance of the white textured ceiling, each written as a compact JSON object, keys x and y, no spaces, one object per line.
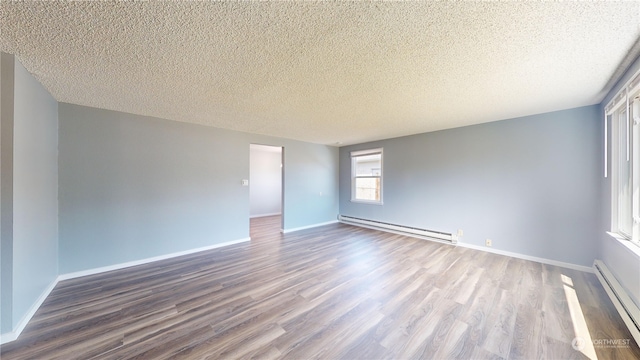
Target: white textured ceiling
{"x":323,"y":72}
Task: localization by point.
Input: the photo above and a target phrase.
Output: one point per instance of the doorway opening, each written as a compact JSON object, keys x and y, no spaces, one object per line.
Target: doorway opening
{"x":266,"y":190}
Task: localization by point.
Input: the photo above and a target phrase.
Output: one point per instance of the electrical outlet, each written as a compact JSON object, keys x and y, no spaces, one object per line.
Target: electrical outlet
{"x":460,"y":232}
{"x":487,"y":242}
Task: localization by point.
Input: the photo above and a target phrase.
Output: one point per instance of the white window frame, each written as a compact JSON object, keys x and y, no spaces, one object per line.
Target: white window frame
{"x":354,"y":156}
{"x":625,"y":99}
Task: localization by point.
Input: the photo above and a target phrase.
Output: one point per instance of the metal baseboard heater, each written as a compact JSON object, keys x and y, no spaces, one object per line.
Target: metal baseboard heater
{"x":627,"y":309}
{"x":399,"y":229}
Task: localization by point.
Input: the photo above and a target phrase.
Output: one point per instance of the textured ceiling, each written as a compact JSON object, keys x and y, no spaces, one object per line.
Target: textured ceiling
{"x":323,"y":72}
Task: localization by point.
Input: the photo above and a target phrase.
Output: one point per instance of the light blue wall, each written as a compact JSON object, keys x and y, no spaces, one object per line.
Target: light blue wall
{"x":623,"y":262}
{"x":134,"y":187}
{"x":310,"y":182}
{"x":34,"y":238}
{"x":35,"y":192}
{"x":7,"y":69}
{"x":532,"y":185}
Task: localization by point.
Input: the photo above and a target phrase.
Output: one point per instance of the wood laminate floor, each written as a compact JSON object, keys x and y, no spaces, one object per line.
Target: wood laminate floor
{"x":333,"y":292}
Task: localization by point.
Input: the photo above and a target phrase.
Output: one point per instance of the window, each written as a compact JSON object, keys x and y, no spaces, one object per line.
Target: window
{"x":366,"y":176}
{"x":624,"y":113}
{"x":623,"y":172}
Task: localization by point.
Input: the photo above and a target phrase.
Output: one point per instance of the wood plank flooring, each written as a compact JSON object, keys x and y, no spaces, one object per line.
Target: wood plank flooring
{"x":333,"y":292}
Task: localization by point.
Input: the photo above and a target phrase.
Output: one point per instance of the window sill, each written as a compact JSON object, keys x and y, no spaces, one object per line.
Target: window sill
{"x":631,"y":246}
{"x":366,"y":202}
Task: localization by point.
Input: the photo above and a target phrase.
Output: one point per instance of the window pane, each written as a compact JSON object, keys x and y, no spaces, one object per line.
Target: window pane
{"x":624,"y":177}
{"x":368,"y":189}
{"x":368,"y":165}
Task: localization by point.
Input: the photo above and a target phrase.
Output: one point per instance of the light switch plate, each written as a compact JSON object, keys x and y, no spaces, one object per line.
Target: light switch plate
{"x":245,"y":182}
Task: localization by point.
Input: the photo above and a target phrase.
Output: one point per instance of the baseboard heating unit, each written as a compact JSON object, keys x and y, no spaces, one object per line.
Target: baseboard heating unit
{"x":628,"y":310}
{"x":399,"y":229}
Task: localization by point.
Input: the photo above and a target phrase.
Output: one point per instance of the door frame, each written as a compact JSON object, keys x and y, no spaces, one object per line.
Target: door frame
{"x":282,"y":180}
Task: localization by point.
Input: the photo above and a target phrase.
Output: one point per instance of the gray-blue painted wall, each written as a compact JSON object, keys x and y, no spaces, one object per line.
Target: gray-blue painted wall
{"x":35,"y":192}
{"x":532,"y":185}
{"x":7,"y":69}
{"x":33,"y":258}
{"x":133,"y":187}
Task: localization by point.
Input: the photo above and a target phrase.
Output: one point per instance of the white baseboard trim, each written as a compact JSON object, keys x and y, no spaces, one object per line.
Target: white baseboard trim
{"x":8,"y":337}
{"x":286,"y":231}
{"x":530,"y":258}
{"x":13,"y":335}
{"x":264,"y":215}
{"x":99,"y":270}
